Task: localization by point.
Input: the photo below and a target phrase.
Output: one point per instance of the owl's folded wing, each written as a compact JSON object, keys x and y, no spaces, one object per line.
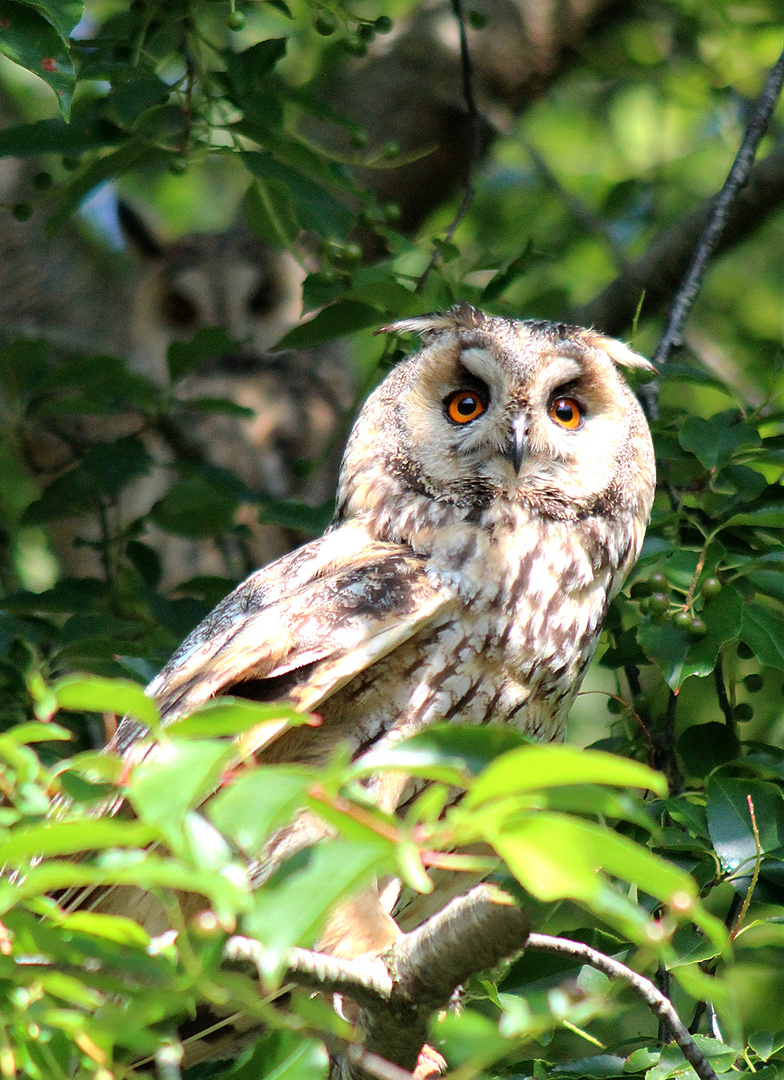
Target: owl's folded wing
{"x":300,"y":643}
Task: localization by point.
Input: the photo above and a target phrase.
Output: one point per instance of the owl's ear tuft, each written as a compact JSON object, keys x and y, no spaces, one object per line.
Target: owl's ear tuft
{"x":618,"y":352}
{"x":461,"y":317}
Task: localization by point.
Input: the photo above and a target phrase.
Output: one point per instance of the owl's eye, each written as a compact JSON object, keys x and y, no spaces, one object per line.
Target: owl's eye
{"x":464,"y":405}
{"x":566,"y":412}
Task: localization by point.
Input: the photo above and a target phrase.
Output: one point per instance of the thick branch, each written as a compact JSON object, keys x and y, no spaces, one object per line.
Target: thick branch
{"x":644,"y":988}
{"x":659,"y":271}
{"x":399,"y":992}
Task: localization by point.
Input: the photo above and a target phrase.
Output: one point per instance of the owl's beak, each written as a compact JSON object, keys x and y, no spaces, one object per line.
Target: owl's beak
{"x":517,"y":444}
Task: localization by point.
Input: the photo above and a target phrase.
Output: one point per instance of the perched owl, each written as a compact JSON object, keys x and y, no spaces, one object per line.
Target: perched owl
{"x":493,"y":496}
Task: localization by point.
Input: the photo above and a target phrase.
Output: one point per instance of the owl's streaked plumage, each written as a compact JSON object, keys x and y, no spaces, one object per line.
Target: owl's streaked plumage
{"x":493,"y":496}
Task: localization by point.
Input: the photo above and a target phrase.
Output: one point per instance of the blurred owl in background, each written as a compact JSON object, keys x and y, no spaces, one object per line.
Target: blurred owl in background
{"x":493,"y":496}
{"x":297,"y":401}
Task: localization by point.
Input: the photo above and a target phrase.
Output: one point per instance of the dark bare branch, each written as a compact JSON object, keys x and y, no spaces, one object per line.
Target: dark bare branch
{"x":644,"y":988}
{"x":736,"y":180}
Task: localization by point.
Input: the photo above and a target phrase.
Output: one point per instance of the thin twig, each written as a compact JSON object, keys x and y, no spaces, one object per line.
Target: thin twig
{"x":644,"y":988}
{"x":754,"y":875}
{"x":736,"y":180}
{"x":475,"y":140}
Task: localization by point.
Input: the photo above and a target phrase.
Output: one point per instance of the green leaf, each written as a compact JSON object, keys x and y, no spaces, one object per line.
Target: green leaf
{"x":315,"y":207}
{"x":69,"y":837}
{"x":729,"y":822}
{"x":672,"y":1062}
{"x":761,"y":630}
{"x":337,"y":320}
{"x":57,"y":137}
{"x":594,"y":1068}
{"x":556,"y":857}
{"x":174,"y":777}
{"x":667,"y":647}
{"x":254,"y":805}
{"x":533,"y":767}
{"x":447,"y":752}
{"x":762,"y":518}
{"x":507,"y":275}
{"x":32,"y":42}
{"x":714,"y":441}
{"x":269,"y":211}
{"x":292,"y":907}
{"x":723,"y":616}
{"x":283,"y":1055}
{"x":107,"y":167}
{"x":765,"y":1044}
{"x":230,"y":716}
{"x":703,"y":747}
{"x":62,"y":14}
{"x":183,"y":357}
{"x":198,"y":505}
{"x":93,"y":693}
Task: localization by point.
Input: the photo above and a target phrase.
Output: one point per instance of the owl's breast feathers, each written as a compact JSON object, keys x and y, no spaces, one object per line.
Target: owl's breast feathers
{"x":483,"y":620}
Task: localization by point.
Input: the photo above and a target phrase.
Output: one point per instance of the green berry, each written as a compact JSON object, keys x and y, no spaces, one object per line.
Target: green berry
{"x":383,"y":24}
{"x":43,"y":181}
{"x":743,"y":712}
{"x":658,"y":581}
{"x":392,"y":212}
{"x":355,"y":45}
{"x":753,"y":682}
{"x":366,"y":31}
{"x":372,"y":215}
{"x":235,"y":20}
{"x":614,"y":706}
{"x":683,"y":620}
{"x":359,"y":140}
{"x":658,"y":603}
{"x":744,"y":651}
{"x":325,"y":23}
{"x":645,"y":605}
{"x":390,"y":149}
{"x":698,"y":628}
{"x":22,"y":211}
{"x":476,"y":20}
{"x":350,"y":253}
{"x":640,"y":589}
{"x":710,"y":587}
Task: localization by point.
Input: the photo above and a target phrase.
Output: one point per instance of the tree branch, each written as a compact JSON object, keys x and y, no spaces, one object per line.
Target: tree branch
{"x":398,"y":992}
{"x":644,"y":988}
{"x":736,"y":180}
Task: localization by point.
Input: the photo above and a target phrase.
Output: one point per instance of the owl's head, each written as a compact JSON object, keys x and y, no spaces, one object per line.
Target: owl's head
{"x":498,"y":410}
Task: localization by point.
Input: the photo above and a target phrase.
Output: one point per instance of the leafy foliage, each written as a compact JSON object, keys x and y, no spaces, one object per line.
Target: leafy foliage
{"x":661,"y":844}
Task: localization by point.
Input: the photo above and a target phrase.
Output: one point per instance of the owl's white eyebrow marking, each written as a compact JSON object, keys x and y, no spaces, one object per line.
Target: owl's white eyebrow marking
{"x":561,"y":370}
{"x":479,"y":362}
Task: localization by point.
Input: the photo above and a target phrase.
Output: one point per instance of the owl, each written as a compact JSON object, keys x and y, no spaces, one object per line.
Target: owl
{"x":296,"y":401}
{"x":493,"y":496}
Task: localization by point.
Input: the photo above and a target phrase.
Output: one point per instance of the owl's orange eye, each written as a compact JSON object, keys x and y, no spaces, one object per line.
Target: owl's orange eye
{"x":464,"y":406}
{"x":566,"y":412}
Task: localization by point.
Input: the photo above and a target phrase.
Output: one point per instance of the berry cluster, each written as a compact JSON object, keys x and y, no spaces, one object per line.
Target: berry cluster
{"x":654,"y":595}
